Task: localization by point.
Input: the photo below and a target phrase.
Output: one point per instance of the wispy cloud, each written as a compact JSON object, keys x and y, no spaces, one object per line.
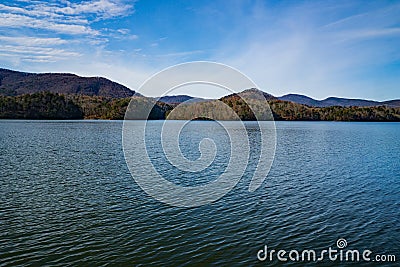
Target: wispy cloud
{"x":181,"y":54}
{"x":35,"y":30}
{"x":352,"y":35}
{"x":21,"y":21}
{"x":32,"y":41}
{"x":35,"y":54}
{"x":69,"y":18}
{"x":36,"y":11}
{"x":36,"y":50}
{"x":102,"y":8}
{"x":121,"y":33}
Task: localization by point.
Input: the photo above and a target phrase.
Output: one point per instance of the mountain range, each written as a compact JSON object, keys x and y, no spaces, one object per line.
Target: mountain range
{"x":295,"y":98}
{"x":337,"y":101}
{"x":177,"y":99}
{"x":14,"y":83}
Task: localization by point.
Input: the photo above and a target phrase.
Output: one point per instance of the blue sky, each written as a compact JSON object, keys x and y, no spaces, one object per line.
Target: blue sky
{"x":317,"y":48}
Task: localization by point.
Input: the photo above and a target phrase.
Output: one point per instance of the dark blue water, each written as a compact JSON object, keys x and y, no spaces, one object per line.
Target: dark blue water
{"x":67,"y":197}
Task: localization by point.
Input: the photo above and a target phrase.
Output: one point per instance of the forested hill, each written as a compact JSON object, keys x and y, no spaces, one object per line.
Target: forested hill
{"x":48,"y":106}
{"x":45,"y":105}
{"x":13,"y":83}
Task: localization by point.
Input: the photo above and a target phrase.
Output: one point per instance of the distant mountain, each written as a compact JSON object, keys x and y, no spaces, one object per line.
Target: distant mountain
{"x":336,"y":101}
{"x":251,"y":105}
{"x":177,"y":99}
{"x":13,"y":83}
{"x":255,"y":93}
{"x":344,"y":102}
{"x":300,"y":99}
{"x":252,"y":93}
{"x":392,"y":103}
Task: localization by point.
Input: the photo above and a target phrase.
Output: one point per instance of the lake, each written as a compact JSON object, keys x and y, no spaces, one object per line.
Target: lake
{"x":68,"y":198}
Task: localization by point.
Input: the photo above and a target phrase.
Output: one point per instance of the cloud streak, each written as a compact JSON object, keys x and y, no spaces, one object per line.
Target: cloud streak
{"x":21,"y":21}
{"x":37,"y":29}
{"x":102,"y":8}
{"x":32,"y":41}
{"x":68,"y":19}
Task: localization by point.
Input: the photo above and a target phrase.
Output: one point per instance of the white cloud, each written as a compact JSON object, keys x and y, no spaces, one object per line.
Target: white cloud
{"x":37,"y":50}
{"x":123,"y":31}
{"x":34,"y":11}
{"x":69,"y":18}
{"x":32,"y":41}
{"x":124,"y":34}
{"x":18,"y":21}
{"x":181,"y":54}
{"x":103,"y":8}
{"x":354,"y":35}
{"x":30,"y":49}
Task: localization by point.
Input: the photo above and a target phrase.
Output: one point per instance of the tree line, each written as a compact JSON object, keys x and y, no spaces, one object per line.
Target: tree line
{"x":46,"y":105}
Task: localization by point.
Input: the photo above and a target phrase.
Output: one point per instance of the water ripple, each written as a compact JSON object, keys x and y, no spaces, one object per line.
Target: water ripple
{"x":68,"y":198}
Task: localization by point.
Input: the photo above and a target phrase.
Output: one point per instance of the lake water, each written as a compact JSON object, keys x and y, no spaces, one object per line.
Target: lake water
{"x":67,"y":197}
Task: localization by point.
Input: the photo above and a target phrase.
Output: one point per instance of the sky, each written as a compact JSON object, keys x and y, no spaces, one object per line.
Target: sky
{"x":317,"y":48}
